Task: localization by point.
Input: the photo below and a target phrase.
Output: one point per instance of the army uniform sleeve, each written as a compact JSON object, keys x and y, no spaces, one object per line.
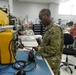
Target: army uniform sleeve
{"x":51,"y":43}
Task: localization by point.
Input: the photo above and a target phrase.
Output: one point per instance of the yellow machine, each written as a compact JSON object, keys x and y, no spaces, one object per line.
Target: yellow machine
{"x":4,"y":19}
{"x":8,"y":47}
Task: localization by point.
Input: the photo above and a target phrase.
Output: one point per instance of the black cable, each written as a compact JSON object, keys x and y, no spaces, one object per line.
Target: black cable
{"x":32,"y":68}
{"x":20,"y":61}
{"x":25,"y":63}
{"x":7,"y":72}
{"x":10,"y":51}
{"x":9,"y":48}
{"x":15,"y":58}
{"x":17,"y":68}
{"x":5,"y":68}
{"x":22,"y":65}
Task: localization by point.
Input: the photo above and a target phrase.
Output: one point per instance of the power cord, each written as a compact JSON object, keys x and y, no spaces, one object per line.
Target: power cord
{"x":4,"y":68}
{"x":7,"y":72}
{"x":19,"y":65}
{"x":23,"y":63}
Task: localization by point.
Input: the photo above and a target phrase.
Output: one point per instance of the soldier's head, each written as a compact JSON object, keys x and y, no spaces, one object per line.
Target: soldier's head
{"x":45,"y":16}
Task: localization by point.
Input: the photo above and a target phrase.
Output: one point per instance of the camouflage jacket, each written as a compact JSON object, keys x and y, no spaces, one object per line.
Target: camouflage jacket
{"x":52,"y":46}
{"x":52,"y":41}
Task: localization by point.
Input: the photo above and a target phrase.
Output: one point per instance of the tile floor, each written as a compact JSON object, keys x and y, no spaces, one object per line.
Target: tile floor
{"x":72,"y":59}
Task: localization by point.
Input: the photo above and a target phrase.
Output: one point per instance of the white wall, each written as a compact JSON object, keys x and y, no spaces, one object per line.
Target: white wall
{"x":4,"y":3}
{"x":21,"y":9}
{"x":31,"y":9}
{"x":68,"y":17}
{"x":54,"y":10}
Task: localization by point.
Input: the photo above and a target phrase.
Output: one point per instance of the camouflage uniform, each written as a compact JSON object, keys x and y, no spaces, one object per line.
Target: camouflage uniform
{"x":52,"y":46}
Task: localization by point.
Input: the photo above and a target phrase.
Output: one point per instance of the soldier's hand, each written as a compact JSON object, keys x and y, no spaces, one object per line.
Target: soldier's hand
{"x":35,"y":48}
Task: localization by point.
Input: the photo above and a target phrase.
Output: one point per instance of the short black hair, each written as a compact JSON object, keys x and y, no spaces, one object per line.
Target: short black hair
{"x":46,"y":11}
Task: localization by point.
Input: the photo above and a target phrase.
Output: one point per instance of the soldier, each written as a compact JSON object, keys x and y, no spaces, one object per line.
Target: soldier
{"x":52,"y":46}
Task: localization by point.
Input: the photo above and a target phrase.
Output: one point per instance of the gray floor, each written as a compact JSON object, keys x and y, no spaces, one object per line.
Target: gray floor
{"x":64,"y":70}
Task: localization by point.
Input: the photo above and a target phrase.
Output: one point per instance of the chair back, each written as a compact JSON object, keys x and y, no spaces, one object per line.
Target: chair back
{"x":68,"y":39}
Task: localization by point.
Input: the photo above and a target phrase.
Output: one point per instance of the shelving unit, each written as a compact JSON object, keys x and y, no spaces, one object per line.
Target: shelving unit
{"x":38,"y":29}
